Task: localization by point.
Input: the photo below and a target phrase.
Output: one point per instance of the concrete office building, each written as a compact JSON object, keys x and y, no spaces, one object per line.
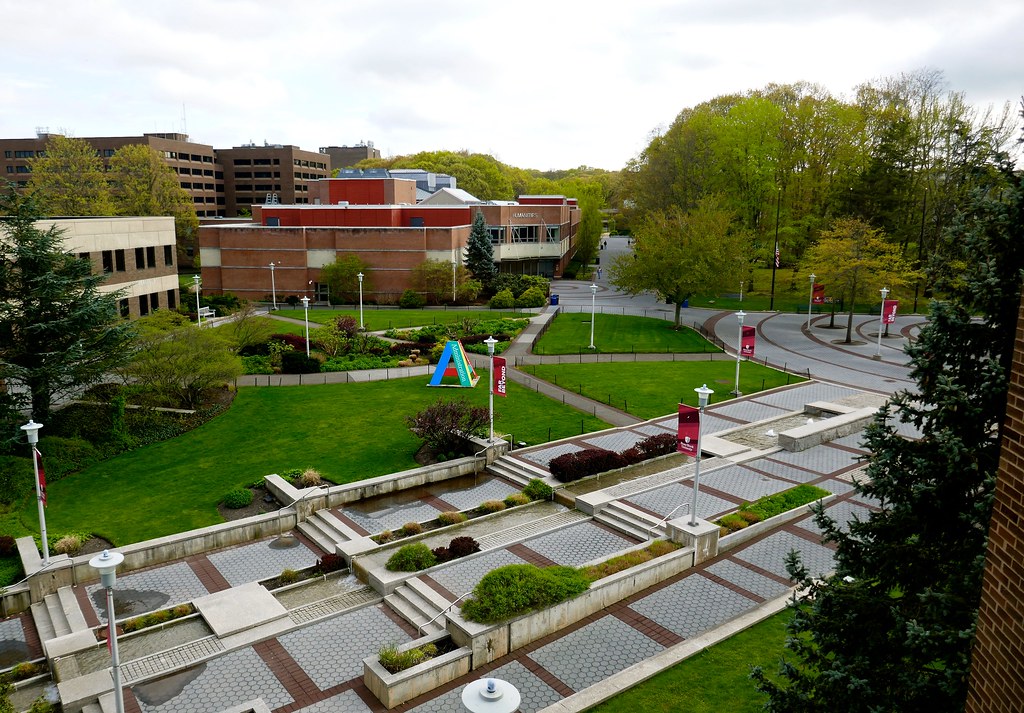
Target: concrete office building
{"x":137,"y":254}
{"x":348,"y":156}
{"x":269,"y":173}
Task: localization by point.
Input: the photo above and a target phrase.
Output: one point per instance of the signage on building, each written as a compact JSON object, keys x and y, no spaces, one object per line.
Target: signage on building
{"x":524,"y":215}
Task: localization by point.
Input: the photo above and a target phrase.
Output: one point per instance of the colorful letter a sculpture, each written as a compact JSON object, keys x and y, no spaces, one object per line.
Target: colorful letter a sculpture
{"x":453,"y":362}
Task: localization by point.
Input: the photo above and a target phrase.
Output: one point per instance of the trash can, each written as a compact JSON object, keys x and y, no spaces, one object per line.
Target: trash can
{"x":686,"y":303}
{"x":554,"y":299}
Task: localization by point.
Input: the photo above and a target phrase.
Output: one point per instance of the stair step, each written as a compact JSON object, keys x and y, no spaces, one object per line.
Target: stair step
{"x":72,"y":609}
{"x":334,"y":526}
{"x":436,"y":599}
{"x":61,"y":626}
{"x":409,"y":611}
{"x":44,"y":625}
{"x":313,"y":532}
{"x":632,"y":521}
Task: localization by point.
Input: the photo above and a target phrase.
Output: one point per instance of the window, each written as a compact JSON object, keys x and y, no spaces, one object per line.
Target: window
{"x":21,"y":169}
{"x":261,"y":162}
{"x":108,"y":261}
{"x":197,"y":172}
{"x":497,"y":234}
{"x":207,"y":172}
{"x":277,"y":162}
{"x":24,"y":154}
{"x":151,"y":256}
{"x":107,"y":153}
{"x":168,"y":254}
{"x":154,"y":300}
{"x":143,"y":305}
{"x":208,"y":186}
{"x":554,"y":233}
{"x":87,"y":258}
{"x":7,"y":154}
{"x":171,"y":299}
{"x":124,"y":307}
{"x":196,"y":158}
{"x":261,"y":174}
{"x":219,"y":175}
{"x":119,"y":260}
{"x":197,"y":199}
{"x":186,"y":184}
{"x":10,"y":169}
{"x":140,"y":259}
{"x":243,"y":174}
{"x":242,"y":162}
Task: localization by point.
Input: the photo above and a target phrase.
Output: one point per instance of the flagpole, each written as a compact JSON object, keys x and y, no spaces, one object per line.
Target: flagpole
{"x":31,"y":430}
{"x":490,"y":342}
{"x":775,"y":258}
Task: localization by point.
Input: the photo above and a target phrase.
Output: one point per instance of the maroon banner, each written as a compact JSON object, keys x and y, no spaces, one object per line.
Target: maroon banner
{"x":500,"y":373}
{"x":889,"y":308}
{"x":747,"y":342}
{"x":818,"y":294}
{"x":42,"y":475}
{"x":689,"y":430}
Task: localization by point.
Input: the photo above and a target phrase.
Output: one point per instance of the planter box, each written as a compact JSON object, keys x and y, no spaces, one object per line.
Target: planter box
{"x":394,"y":689}
{"x":735,"y":539}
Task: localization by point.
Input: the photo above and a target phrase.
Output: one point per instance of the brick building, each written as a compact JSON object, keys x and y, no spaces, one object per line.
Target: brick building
{"x":997,"y":661}
{"x":377,"y":220}
{"x":136,"y":253}
{"x":347,"y":156}
{"x":271,"y":173}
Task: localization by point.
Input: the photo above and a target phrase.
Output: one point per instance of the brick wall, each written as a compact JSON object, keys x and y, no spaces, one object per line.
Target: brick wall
{"x":997,"y":666}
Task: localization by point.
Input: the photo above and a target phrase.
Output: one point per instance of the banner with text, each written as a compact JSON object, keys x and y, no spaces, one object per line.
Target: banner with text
{"x":689,"y":430}
{"x":747,"y":342}
{"x":818,"y":294}
{"x":500,"y":374}
{"x":889,"y":308}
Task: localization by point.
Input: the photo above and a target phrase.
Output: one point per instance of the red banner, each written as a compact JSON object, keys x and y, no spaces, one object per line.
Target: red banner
{"x":747,"y":342}
{"x":42,"y":475}
{"x":500,"y":373}
{"x":689,"y":430}
{"x":818,"y":294}
{"x":889,"y":308}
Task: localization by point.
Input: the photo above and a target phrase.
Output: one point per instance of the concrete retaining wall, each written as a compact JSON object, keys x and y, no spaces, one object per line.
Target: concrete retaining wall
{"x":394,"y":689}
{"x":814,"y":434}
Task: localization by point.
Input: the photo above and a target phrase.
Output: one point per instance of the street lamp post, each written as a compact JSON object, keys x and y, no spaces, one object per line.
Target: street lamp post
{"x":881,"y":319}
{"x":593,"y":312}
{"x":199,"y":317}
{"x":703,"y":394}
{"x":739,"y":351}
{"x":31,"y":430}
{"x":360,"y":276}
{"x":305,"y":310}
{"x":273,"y":286}
{"x":454,"y":267}
{"x":741,"y":290}
{"x":490,"y":342}
{"x":810,"y":301}
{"x":106,"y":564}
{"x":490,"y":695}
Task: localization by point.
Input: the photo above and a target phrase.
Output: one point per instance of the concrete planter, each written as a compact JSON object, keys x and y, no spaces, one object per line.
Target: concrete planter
{"x":735,"y":539}
{"x":394,"y":689}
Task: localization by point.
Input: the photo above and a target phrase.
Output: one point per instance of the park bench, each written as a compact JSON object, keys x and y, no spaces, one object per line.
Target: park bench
{"x":207,"y":312}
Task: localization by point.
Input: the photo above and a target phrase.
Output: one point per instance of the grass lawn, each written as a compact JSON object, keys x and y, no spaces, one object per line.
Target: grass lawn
{"x":712,"y":681}
{"x":570,"y":334}
{"x":347,"y":431}
{"x":282,"y":327}
{"x":379,"y":319}
{"x":652,"y":389}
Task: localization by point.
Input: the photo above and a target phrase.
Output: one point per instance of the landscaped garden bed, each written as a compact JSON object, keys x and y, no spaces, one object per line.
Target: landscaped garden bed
{"x":400,"y":673}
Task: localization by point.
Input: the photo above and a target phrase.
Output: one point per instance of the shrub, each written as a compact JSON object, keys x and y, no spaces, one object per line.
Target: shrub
{"x":394,"y":660}
{"x":503,"y":300}
{"x":515,"y":589}
{"x":411,"y":299}
{"x":25,"y":669}
{"x":297,"y":362}
{"x":451,"y":518}
{"x":64,"y":456}
{"x":772,"y":505}
{"x":68,"y":545}
{"x":490,"y":506}
{"x":516,"y":499}
{"x":7,"y":546}
{"x":411,"y":558}
{"x":750,"y":517}
{"x":41,"y":705}
{"x":411,"y":528}
{"x":292,"y":300}
{"x":310,"y":478}
{"x":441,"y":424}
{"x":294,"y":342}
{"x":733,"y":522}
{"x":329,"y":563}
{"x":537,"y":489}
{"x":441,"y":554}
{"x":630,"y":559}
{"x":288,"y":576}
{"x":533,"y":297}
{"x":384,"y":536}
{"x":573,"y":466}
{"x":257,"y":364}
{"x":181,"y":610}
{"x":632,"y":456}
{"x":660,"y":445}
{"x":237,"y":498}
{"x":15,"y":478}
{"x":462,"y":546}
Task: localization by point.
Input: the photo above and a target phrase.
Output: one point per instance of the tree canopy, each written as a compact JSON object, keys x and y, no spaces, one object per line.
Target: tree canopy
{"x":68,"y":180}
{"x":342,"y":276}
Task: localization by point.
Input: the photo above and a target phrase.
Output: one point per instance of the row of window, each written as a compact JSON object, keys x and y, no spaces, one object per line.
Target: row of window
{"x":208,"y":199}
{"x":188,"y":157}
{"x":149,"y":302}
{"x":307,"y":176}
{"x":184,"y":171}
{"x":311,"y":164}
{"x":23,"y":154}
{"x":257,"y":174}
{"x":525,"y":234}
{"x":18,"y":169}
{"x":202,"y":186}
{"x":257,"y":162}
{"x":114,"y":260}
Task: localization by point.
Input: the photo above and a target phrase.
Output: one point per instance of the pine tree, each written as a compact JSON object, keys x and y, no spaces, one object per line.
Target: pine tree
{"x":892,"y":628}
{"x":480,"y":252}
{"x":58,"y":332}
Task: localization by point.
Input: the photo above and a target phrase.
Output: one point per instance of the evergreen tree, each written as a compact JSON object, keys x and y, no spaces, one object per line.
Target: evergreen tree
{"x":892,"y":628}
{"x":480,"y":252}
{"x":69,"y":179}
{"x":58,"y":332}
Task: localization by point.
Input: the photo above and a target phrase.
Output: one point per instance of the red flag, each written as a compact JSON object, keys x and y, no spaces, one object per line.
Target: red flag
{"x":747,"y":342}
{"x":777,"y":262}
{"x":500,"y":374}
{"x":818,"y":294}
{"x":889,"y":308}
{"x":689,"y":430}
{"x":42,"y":475}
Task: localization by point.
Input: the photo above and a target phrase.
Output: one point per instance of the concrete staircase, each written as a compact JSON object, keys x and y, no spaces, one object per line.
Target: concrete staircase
{"x":58,"y":615}
{"x":626,"y":518}
{"x":518,"y":471}
{"x":418,"y":604}
{"x":327,"y":531}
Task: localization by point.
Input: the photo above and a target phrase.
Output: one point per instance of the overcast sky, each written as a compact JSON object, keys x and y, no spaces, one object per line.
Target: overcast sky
{"x":542,"y":85}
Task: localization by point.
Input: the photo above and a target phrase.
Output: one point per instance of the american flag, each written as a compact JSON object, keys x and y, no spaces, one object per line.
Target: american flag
{"x":776,"y":255}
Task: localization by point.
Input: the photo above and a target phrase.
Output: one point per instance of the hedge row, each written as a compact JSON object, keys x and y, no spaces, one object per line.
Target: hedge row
{"x":573,"y":466}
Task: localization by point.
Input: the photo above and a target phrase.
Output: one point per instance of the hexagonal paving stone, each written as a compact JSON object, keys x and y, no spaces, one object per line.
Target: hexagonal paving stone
{"x":577,"y":544}
{"x":692,"y":605}
{"x":260,"y":560}
{"x":347,"y":702}
{"x":770,"y":554}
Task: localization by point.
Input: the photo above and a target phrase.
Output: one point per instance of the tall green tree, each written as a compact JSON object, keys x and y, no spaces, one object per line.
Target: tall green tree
{"x":677,"y":255}
{"x":59,"y":333}
{"x":143,"y":184}
{"x":342,"y":276}
{"x":69,"y":179}
{"x":434,"y":277}
{"x":855,"y":261}
{"x":480,"y":252}
{"x":892,"y":628}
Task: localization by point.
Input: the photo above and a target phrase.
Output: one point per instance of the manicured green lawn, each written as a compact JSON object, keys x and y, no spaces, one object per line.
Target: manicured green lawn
{"x":713,"y":681}
{"x":614,"y":333}
{"x":378,"y":319}
{"x":347,"y":431}
{"x":652,"y":389}
{"x":282,"y":327}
